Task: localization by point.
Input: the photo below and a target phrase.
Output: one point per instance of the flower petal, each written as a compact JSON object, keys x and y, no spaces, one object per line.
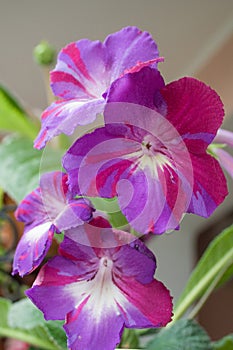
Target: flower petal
{"x":31,"y":209}
{"x":64,"y":116}
{"x":141,"y":88}
{"x":210,"y":186}
{"x":136,"y":308}
{"x":77,"y":73}
{"x":86,"y":69}
{"x":132,"y":259}
{"x":45,"y":211}
{"x":32,"y":248}
{"x":75,"y":213}
{"x":46,"y":202}
{"x":62,"y":211}
{"x":83,"y":74}
{"x":103,"y":333}
{"x":127,"y":48}
{"x":138,"y":200}
{"x":195,"y":110}
{"x":225,"y":137}
{"x":56,"y":279}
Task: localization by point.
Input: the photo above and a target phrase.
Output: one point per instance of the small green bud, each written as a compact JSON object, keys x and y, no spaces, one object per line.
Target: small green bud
{"x":44,"y":54}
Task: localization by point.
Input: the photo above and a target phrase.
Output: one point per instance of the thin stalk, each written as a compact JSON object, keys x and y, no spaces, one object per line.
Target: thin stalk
{"x":195,"y":292}
{"x":210,"y":289}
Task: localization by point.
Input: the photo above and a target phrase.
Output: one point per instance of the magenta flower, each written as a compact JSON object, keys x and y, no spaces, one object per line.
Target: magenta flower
{"x":84,"y":72}
{"x":152,"y":152}
{"x":224,"y":137}
{"x":99,"y":291}
{"x":46,"y":210}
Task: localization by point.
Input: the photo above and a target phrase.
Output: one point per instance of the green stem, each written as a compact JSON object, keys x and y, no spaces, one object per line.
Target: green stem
{"x":1,"y":197}
{"x":196,"y":291}
{"x":210,"y":289}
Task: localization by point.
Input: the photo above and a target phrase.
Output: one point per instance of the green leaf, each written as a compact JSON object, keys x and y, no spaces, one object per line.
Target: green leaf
{"x":25,"y":316}
{"x":37,"y":336}
{"x":129,"y":339}
{"x":12,"y":116}
{"x":225,"y":343}
{"x":21,"y":166}
{"x":111,"y":207}
{"x":4,"y":308}
{"x":105,"y":204}
{"x":117,"y":220}
{"x":57,"y":334}
{"x":227,"y":276}
{"x":217,"y":258}
{"x":183,"y":335}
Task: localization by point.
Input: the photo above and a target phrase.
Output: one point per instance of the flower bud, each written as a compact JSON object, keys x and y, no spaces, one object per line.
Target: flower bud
{"x":44,"y":54}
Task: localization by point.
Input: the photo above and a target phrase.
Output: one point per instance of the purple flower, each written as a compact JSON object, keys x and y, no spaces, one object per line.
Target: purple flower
{"x":99,"y":291}
{"x":224,"y":137}
{"x":46,"y":210}
{"x":152,"y":152}
{"x":84,"y":72}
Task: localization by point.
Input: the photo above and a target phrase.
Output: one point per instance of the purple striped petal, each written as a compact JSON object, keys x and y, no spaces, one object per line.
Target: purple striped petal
{"x":31,"y":209}
{"x":44,"y":211}
{"x":32,"y":248}
{"x":62,"y":211}
{"x":86,"y":69}
{"x":65,"y":115}
{"x":46,"y":202}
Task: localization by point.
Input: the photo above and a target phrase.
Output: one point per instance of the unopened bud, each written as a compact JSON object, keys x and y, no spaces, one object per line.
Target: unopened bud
{"x":44,"y":54}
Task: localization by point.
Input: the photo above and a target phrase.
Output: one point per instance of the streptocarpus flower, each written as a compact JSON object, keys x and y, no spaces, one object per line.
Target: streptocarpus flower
{"x":46,"y":210}
{"x":84,"y":72}
{"x":99,"y":291}
{"x":152,"y":152}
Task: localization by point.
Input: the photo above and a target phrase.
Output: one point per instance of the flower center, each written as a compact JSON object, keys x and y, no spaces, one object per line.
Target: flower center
{"x":153,"y":155}
{"x":102,"y":289}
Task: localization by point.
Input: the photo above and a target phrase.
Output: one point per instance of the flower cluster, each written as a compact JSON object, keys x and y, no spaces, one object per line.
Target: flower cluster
{"x":150,"y":155}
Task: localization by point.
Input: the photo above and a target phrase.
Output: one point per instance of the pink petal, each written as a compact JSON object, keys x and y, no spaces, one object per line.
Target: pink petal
{"x":195,"y":110}
{"x":210,"y":187}
{"x":149,"y":305}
